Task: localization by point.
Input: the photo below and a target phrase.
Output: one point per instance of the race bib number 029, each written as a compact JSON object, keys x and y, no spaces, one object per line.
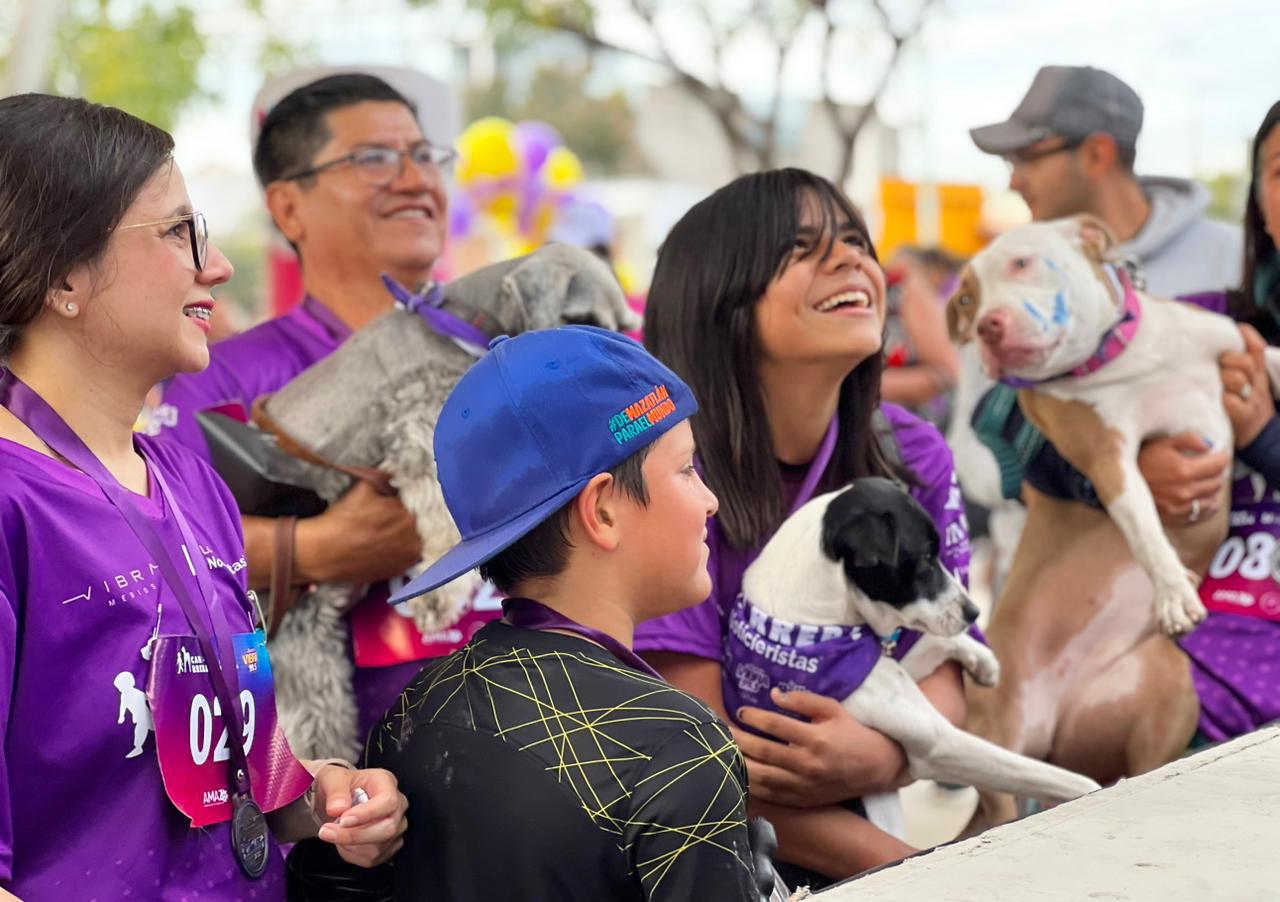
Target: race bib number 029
{"x":193,"y":732}
{"x":1244,"y":576}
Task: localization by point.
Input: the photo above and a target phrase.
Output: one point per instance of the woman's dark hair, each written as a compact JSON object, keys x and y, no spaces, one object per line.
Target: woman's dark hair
{"x":1259,"y":250}
{"x":713,"y":268}
{"x":69,"y":169}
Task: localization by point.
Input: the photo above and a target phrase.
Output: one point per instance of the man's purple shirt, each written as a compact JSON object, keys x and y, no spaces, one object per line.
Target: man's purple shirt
{"x":242,"y":369}
{"x":79,"y":816}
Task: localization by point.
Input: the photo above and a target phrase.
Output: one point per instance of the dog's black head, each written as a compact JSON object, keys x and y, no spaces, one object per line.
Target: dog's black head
{"x":887,"y":545}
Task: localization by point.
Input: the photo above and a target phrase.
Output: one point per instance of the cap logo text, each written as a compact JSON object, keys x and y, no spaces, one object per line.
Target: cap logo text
{"x":642,"y":415}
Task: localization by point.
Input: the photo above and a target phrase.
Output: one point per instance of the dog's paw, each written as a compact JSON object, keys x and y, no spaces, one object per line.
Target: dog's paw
{"x":983,"y":666}
{"x":1179,"y":609}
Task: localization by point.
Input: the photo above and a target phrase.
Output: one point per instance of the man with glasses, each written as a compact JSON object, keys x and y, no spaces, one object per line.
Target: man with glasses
{"x":1070,"y":146}
{"x":358,"y":190}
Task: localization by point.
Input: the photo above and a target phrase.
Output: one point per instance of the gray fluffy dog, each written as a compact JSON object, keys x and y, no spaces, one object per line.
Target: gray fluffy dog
{"x":374,"y":403}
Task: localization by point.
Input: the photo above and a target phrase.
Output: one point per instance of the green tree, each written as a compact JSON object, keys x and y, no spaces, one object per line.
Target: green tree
{"x":1227,"y":196}
{"x":147,"y":63}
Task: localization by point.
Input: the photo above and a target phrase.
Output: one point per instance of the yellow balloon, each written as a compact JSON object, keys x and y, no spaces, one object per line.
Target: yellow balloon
{"x":563,"y":169}
{"x":503,"y":212}
{"x":486,"y":150}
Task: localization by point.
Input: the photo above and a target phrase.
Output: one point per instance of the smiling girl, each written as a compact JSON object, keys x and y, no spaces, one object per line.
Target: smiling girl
{"x":769,"y":300}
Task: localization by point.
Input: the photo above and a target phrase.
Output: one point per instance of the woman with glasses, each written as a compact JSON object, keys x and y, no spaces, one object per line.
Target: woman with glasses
{"x":140,"y":750}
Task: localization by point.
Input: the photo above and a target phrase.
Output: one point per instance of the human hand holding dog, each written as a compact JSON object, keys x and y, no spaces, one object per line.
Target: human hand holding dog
{"x":365,"y":833}
{"x":827,"y":760}
{"x":1246,"y":391}
{"x":363,"y":537}
{"x":1181,"y":470}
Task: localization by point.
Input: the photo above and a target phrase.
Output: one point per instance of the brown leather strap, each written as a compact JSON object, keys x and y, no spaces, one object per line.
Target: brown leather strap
{"x":283,"y":593}
{"x":380,"y":481}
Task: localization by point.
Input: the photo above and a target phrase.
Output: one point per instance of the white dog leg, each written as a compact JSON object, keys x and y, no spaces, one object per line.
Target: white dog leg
{"x":891,"y":702}
{"x":930,"y":652}
{"x":1178,"y":605}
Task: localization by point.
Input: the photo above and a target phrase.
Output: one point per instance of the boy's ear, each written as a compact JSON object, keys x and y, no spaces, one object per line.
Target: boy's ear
{"x":596,"y":512}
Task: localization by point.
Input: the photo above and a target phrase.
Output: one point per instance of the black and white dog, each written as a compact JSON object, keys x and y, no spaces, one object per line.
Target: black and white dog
{"x":824,"y":608}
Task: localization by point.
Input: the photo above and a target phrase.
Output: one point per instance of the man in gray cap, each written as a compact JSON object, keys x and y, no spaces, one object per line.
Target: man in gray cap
{"x":1071,"y":145}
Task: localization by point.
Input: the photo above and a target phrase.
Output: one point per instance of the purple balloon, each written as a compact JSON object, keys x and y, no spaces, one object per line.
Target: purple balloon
{"x":461,"y":214}
{"x":536,"y":140}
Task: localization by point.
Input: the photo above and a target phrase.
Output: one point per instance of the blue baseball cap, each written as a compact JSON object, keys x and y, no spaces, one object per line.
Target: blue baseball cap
{"x":531,"y":423}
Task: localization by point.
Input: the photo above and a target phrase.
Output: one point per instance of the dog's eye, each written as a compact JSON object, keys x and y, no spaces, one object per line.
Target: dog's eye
{"x":1020,"y":263}
{"x":964,"y":301}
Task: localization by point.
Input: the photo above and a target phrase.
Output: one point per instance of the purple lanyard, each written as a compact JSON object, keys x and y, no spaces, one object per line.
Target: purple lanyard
{"x":819,"y":465}
{"x":45,"y":422}
{"x":429,"y":306}
{"x":533,"y":615}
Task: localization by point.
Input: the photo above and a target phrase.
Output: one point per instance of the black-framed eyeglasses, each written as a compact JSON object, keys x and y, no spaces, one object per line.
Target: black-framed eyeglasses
{"x":380,"y":165}
{"x":197,"y":231}
{"x":1022,"y":157}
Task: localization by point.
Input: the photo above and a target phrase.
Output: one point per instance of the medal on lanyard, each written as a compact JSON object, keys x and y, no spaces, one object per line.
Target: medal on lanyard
{"x":249,"y":842}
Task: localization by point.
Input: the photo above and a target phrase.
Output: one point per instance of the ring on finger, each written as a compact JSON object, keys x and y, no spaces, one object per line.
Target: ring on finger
{"x":1195,"y":510}
{"x":1245,"y":391}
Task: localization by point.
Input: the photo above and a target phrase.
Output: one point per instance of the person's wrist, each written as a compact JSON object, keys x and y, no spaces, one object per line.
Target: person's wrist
{"x":311,"y":562}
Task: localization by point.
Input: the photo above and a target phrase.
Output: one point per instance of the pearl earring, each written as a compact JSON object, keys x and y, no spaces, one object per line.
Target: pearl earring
{"x":71,"y":307}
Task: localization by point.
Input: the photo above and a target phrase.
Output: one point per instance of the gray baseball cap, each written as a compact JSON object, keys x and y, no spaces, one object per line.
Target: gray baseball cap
{"x":1071,"y":101}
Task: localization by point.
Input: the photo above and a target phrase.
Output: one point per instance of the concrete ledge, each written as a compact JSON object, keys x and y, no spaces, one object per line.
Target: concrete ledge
{"x":1206,"y":827}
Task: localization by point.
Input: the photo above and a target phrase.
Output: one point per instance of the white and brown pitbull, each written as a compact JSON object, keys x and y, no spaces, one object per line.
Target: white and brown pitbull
{"x":1088,"y":681}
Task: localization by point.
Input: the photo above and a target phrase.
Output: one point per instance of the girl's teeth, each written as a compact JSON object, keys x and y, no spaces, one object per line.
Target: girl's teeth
{"x":855,"y":298}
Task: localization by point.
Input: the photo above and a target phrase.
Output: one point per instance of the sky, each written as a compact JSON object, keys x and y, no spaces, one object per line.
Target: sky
{"x":1206,"y":72}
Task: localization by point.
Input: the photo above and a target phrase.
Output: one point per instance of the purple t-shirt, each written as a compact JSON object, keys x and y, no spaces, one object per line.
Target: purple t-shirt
{"x":245,"y":367}
{"x":81,"y":813}
{"x":242,"y":369}
{"x":700,"y":630}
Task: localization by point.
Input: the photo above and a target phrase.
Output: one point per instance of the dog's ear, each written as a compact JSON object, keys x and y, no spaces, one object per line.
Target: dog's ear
{"x":962,"y":309}
{"x":533,"y":292}
{"x":859,"y":537}
{"x":559,"y":284}
{"x":1094,"y":236}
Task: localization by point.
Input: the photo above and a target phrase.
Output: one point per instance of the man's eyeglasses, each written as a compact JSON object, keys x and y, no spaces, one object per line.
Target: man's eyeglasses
{"x":379,"y":165}
{"x":197,"y":231}
{"x":1029,"y":155}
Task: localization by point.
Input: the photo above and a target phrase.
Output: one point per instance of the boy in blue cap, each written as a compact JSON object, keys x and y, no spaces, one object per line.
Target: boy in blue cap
{"x":546,"y":760}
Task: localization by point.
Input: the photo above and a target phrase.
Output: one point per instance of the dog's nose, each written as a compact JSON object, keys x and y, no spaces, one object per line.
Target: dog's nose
{"x":991,"y":327}
{"x":970,"y":611}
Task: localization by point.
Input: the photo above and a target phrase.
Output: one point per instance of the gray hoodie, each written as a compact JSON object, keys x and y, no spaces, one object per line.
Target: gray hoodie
{"x":1180,"y":250}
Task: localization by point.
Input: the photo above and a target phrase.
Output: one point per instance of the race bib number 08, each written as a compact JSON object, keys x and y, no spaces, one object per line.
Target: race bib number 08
{"x":1244,"y":576}
{"x":193,"y":732}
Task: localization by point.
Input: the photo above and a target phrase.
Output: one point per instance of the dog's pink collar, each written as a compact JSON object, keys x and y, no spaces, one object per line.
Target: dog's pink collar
{"x":1113,"y":343}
